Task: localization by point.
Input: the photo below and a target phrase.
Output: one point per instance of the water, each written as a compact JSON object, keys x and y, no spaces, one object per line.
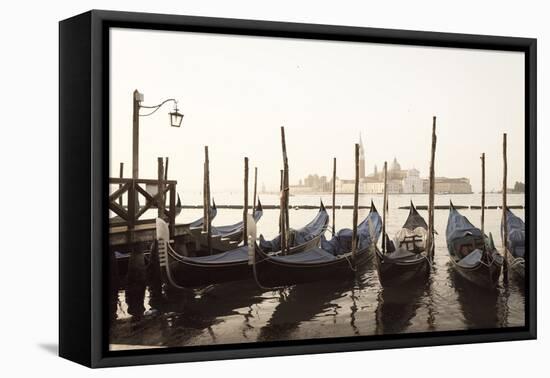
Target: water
{"x":240,"y":312}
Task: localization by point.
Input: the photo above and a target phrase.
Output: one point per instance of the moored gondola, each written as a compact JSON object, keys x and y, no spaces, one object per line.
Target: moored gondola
{"x":230,"y":235}
{"x":472,"y":255}
{"x":333,"y":259}
{"x":406,"y":258}
{"x":180,"y":271}
{"x":515,"y":245}
{"x":122,"y":256}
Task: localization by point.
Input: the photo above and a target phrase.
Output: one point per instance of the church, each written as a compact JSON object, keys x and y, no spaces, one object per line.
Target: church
{"x":399,"y":180}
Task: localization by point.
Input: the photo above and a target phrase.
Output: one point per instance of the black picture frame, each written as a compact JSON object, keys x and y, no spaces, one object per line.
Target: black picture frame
{"x":83,"y":181}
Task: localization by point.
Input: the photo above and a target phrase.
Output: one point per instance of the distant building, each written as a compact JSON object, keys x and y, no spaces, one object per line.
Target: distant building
{"x":361,"y":159}
{"x":444,"y":185}
{"x":412,"y":183}
{"x":399,"y":181}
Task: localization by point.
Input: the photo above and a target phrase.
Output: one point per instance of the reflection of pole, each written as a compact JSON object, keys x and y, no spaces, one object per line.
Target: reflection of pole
{"x":355,"y":205}
{"x":504,"y":208}
{"x":334,"y":196}
{"x":135,"y":135}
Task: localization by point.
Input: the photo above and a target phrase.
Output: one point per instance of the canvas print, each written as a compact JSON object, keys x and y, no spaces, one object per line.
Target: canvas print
{"x":268,"y":189}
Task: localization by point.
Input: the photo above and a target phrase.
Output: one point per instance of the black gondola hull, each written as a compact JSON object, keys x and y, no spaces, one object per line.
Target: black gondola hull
{"x":482,"y":275}
{"x":393,"y":273}
{"x":272,"y":273}
{"x":185,"y":273}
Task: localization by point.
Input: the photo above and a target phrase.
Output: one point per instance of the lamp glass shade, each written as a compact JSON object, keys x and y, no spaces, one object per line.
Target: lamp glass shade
{"x":176,"y":118}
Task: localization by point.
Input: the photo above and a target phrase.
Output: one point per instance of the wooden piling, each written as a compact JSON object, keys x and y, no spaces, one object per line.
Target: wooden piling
{"x":431,"y":195}
{"x":204,"y":191}
{"x":166,"y":168}
{"x":245,"y":207}
{"x":282,"y":214}
{"x":160,"y":188}
{"x":504,"y":208}
{"x":207,"y":223}
{"x":355,"y":205}
{"x":385,"y":206}
{"x":254,"y":198}
{"x":121,"y":175}
{"x":334,"y":196}
{"x":281,"y":206}
{"x":286,"y":223}
{"x":483,"y":194}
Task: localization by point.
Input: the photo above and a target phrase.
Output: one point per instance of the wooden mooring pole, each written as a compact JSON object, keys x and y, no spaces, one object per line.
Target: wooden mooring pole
{"x":207,"y":218}
{"x":204,"y":190}
{"x":333,"y":196}
{"x":431,"y":195}
{"x":504,"y":207}
{"x":160,"y":188}
{"x":286,"y":223}
{"x":355,"y":205}
{"x":254,"y":198}
{"x":281,"y":206}
{"x":245,"y":207}
{"x":483,"y":195}
{"x":121,"y":175}
{"x":384,"y":211}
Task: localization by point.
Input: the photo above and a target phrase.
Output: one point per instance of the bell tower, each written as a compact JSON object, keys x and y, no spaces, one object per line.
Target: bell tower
{"x":361,"y":158}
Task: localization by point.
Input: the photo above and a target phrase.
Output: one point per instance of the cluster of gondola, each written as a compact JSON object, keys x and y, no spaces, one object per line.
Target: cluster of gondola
{"x":306,"y":255}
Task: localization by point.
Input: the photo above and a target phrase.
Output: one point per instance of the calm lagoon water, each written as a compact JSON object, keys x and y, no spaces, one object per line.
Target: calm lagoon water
{"x":240,"y":312}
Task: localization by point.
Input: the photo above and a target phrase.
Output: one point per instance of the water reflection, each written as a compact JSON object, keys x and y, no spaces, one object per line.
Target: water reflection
{"x":482,"y":308}
{"x":302,"y":303}
{"x":240,"y":312}
{"x":396,"y":307}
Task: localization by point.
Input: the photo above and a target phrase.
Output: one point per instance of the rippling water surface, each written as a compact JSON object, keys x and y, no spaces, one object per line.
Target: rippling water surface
{"x":240,"y":312}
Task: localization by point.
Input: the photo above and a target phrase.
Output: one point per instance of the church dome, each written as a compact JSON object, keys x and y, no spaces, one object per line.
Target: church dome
{"x":395,"y":165}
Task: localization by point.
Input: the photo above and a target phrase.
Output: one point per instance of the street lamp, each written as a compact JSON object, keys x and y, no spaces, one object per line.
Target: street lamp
{"x":175,"y":121}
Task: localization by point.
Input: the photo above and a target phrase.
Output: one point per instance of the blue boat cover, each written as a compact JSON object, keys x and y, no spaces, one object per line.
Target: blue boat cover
{"x":314,"y":255}
{"x":301,"y":236}
{"x":516,"y":234}
{"x":234,"y":228}
{"x":199,"y":222}
{"x":458,"y":226}
{"x":234,"y":256}
{"x":341,"y":242}
{"x":240,"y":254}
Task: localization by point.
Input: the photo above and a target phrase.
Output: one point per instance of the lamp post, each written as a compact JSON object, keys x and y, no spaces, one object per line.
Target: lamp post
{"x":175,"y":121}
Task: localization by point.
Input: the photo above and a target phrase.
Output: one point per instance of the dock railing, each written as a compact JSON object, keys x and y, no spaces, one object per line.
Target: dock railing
{"x":131,"y":214}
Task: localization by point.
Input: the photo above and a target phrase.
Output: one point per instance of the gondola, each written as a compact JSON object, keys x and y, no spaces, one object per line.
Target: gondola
{"x":122,"y":256}
{"x":472,"y":255}
{"x":516,"y":244}
{"x":231,"y":234}
{"x":406,"y":258}
{"x":188,"y":272}
{"x":331,"y":260}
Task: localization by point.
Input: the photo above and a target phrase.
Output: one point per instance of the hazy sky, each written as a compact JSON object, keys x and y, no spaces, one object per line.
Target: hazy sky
{"x":236,"y":92}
